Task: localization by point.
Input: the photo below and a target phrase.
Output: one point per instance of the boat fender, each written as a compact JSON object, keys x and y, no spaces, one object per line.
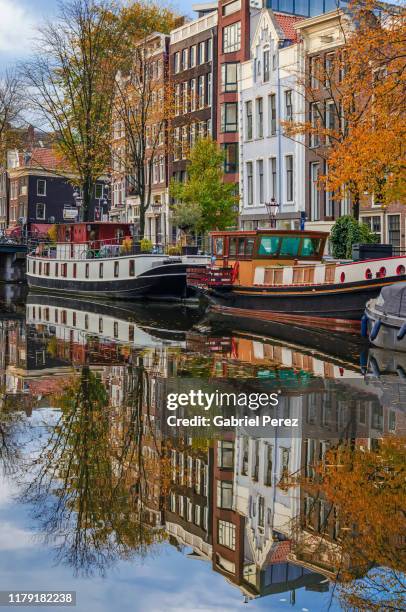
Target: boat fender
{"x":373,"y":364}
{"x":375,"y":330}
{"x":364,"y":326}
{"x":402,"y":332}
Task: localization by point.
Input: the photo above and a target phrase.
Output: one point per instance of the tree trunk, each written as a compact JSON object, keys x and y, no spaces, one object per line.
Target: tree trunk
{"x":355,"y":207}
{"x":142,"y":221}
{"x":87,"y":199}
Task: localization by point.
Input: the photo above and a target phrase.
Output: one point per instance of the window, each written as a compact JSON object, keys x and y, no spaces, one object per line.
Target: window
{"x":192,"y":56}
{"x":229,"y":117}
{"x":131,"y":264}
{"x":269,"y":245}
{"x":260,"y":117}
{"x":230,"y":157}
{"x":198,"y":518}
{"x":226,"y":534}
{"x":209,"y":90}
{"x":285,"y":453}
{"x":176,"y":63}
{"x":290,"y":246}
{"x":100,"y":325}
{"x":200,"y":91}
{"x":202,"y":54}
{"x":314,"y":121}
{"x":394,"y":231}
{"x":219,"y":246}
{"x":41,"y":187}
{"x":224,"y":494}
{"x":75,"y":270}
{"x":131,"y":333}
{"x":177,"y":99}
{"x":185,"y":98}
{"x":100,"y":270}
{"x":193,"y":95}
{"x":289,"y":178}
{"x":231,"y":7}
{"x":272,"y":178}
{"x":272,"y":114}
{"x":288,"y":106}
{"x":248,"y":115}
{"x":184,"y":59}
{"x":86,"y":271}
{"x":225,"y":454}
{"x":260,"y":172}
{"x":329,"y":70}
{"x":250,"y":186}
{"x":86,"y":321}
{"x":310,"y":247}
{"x":314,"y":191}
{"x":115,"y":328}
{"x":209,"y":50}
{"x":331,"y":119}
{"x":40,"y":211}
{"x":266,"y":65}
{"x":232,"y":37}
{"x":261,"y":511}
{"x":98,"y":191}
{"x":314,"y":72}
{"x":229,"y":77}
{"x":374,"y":224}
{"x":116,"y":269}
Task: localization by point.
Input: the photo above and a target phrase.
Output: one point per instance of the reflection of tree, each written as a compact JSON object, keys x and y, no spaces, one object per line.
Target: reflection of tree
{"x":81,"y":481}
{"x":11,"y":424}
{"x":365,"y":494}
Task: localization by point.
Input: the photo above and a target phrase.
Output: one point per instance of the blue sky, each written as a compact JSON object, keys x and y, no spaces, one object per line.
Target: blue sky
{"x":19,"y":18}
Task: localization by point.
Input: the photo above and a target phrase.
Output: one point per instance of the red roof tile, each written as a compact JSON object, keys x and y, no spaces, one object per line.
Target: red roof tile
{"x":45,"y":158}
{"x":286,"y":23}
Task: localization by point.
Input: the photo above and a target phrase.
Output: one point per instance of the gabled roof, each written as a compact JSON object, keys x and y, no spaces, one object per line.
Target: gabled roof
{"x":45,"y":158}
{"x":281,"y":25}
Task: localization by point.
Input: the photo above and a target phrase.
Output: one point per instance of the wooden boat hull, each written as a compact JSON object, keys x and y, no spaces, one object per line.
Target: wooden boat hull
{"x":336,"y":307}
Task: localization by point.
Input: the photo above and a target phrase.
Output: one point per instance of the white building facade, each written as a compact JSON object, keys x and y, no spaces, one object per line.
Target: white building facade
{"x":271,"y":164}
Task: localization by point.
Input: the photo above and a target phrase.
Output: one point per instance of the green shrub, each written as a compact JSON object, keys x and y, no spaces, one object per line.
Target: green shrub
{"x":347,"y":231}
{"x":174,"y":250}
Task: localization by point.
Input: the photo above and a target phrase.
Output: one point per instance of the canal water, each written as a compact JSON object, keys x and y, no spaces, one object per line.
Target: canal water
{"x":100,"y":495}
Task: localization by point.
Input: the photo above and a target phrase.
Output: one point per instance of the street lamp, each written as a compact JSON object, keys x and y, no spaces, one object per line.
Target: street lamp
{"x":78,"y":199}
{"x":272,"y":208}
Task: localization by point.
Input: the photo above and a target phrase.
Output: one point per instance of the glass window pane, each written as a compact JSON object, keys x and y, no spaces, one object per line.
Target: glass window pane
{"x":269,"y":245}
{"x":310,"y":247}
{"x":290,"y":246}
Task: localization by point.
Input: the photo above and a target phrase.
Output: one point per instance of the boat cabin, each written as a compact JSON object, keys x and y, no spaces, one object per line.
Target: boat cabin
{"x":101,"y":231}
{"x":264,"y":256}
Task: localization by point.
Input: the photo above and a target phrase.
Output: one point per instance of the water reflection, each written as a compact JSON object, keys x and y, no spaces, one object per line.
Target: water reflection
{"x":83,"y":433}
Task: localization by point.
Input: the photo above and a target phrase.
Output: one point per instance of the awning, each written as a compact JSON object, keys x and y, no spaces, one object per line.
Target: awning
{"x":14,"y":231}
{"x":40,"y":229}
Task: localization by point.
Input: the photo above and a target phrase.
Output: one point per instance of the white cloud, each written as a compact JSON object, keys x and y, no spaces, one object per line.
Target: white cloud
{"x":14,"y":538}
{"x":16,"y":28}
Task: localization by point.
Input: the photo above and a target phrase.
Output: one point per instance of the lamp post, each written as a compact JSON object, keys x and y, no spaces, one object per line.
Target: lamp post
{"x":78,"y":201}
{"x":272,"y":208}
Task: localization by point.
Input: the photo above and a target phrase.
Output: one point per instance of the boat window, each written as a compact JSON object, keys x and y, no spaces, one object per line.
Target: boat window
{"x":310,"y":247}
{"x":101,"y":270}
{"x":116,"y":268}
{"x":219,"y":246}
{"x":241,"y":245}
{"x":249,"y":247}
{"x":56,"y":269}
{"x":115,"y":329}
{"x":87,"y":270}
{"x":290,"y":246}
{"x":131,"y":333}
{"x":75,"y":268}
{"x":40,"y":268}
{"x":269,"y":245}
{"x":33,"y":267}
{"x":132,"y":267}
{"x":101,"y":325}
{"x":232,"y":249}
{"x":86,"y":321}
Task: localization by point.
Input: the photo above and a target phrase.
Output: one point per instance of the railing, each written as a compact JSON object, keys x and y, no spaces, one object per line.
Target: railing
{"x":210,"y":277}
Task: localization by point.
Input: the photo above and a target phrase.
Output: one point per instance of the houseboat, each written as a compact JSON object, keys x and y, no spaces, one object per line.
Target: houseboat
{"x":100,"y":260}
{"x":384,"y":321}
{"x":275,"y":275}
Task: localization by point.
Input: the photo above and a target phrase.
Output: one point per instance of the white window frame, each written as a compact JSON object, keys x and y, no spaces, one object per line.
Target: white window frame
{"x":36,"y":211}
{"x":45,"y":187}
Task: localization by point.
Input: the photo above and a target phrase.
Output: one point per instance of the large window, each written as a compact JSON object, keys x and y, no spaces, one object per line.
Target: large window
{"x":225,"y":454}
{"x":272,"y":178}
{"x":266,"y":65}
{"x":193,"y":56}
{"x":290,"y":246}
{"x":229,"y":117}
{"x":250,"y":185}
{"x":201,"y":91}
{"x":315,"y":123}
{"x":248,"y":118}
{"x":374,"y":223}
{"x":176,"y":62}
{"x":260,"y":117}
{"x":40,"y":211}
{"x":288,"y":105}
{"x":232,"y":37}
{"x":224,"y":494}
{"x":41,"y":187}
{"x":272,"y":114}
{"x":231,"y":7}
{"x":269,"y":245}
{"x":394,"y":230}
{"x":260,"y":170}
{"x":229,"y":77}
{"x":314,"y":191}
{"x":230,"y":157}
{"x":226,"y":534}
{"x":289,"y":178}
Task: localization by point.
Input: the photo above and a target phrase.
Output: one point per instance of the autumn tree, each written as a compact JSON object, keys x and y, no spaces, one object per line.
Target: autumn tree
{"x":355,"y":101}
{"x":11,"y":105}
{"x":363,"y":492}
{"x":205,"y":190}
{"x":70,"y":82}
